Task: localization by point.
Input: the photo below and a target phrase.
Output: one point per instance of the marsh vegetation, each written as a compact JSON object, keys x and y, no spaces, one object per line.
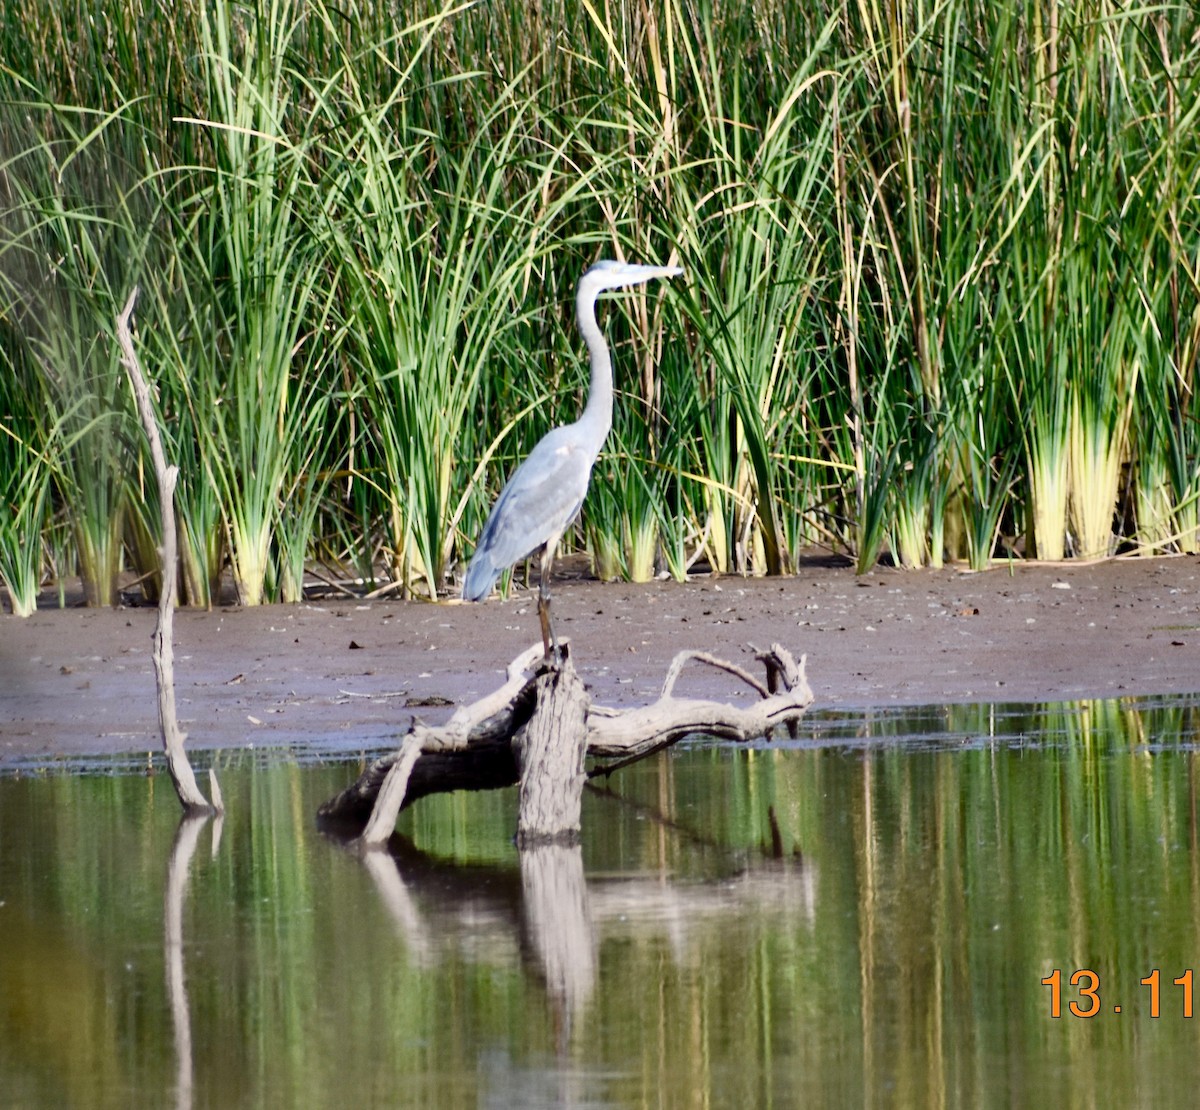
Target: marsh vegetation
{"x":941,"y":296}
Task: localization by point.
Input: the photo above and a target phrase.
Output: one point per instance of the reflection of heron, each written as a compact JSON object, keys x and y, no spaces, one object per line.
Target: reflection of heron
{"x":546,"y":491}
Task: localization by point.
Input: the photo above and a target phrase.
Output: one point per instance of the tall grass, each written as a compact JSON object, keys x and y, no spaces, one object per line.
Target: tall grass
{"x":268,"y":405}
{"x":26,"y":455}
{"x":71,"y":239}
{"x":443,"y":263}
{"x":943,"y":278}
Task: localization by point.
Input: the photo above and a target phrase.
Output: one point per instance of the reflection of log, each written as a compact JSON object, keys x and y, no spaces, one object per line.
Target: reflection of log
{"x":475,"y":749}
{"x":551,"y":914}
{"x":558,"y":926}
{"x":546,"y":917}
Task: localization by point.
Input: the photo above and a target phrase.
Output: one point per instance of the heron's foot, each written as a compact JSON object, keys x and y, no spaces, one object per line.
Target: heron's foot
{"x":555,"y":654}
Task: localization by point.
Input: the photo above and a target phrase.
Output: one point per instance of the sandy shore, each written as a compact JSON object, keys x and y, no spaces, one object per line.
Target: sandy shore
{"x":348,"y":675}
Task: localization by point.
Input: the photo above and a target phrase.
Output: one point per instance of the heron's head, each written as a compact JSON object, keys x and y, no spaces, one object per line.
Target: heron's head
{"x":607,"y":274}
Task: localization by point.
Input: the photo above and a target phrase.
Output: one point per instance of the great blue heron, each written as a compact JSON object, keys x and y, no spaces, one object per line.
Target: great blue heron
{"x":546,"y":491}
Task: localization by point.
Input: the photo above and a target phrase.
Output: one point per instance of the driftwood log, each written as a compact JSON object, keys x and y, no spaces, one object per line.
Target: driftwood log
{"x":537,"y":730}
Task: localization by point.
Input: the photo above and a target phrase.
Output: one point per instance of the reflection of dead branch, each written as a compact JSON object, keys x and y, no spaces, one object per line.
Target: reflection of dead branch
{"x":399,"y":902}
{"x":546,"y":912}
{"x":786,"y":887}
{"x":182,"y":850}
{"x":479,"y":747}
{"x":557,"y":917}
{"x":182,"y":776}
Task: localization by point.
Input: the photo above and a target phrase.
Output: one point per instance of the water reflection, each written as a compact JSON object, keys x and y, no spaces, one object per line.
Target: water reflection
{"x":557,"y":927}
{"x":546,"y":912}
{"x":545,"y":909}
{"x":187,"y":836}
{"x":862,"y":915}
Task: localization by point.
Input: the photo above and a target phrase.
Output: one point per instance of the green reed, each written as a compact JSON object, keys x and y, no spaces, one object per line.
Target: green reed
{"x":267,"y":406}
{"x":942,"y":277}
{"x":26,"y":455}
{"x":442,"y":257}
{"x":72,"y":239}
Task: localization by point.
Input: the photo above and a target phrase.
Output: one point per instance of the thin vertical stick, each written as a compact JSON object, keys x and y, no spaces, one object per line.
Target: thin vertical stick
{"x":182,"y":776}
{"x":850,"y":299}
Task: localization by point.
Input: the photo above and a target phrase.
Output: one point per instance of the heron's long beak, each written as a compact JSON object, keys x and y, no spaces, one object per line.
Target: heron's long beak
{"x":620,"y":275}
{"x":638,"y":274}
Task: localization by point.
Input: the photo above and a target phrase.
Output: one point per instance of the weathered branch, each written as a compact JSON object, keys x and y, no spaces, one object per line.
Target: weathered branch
{"x":471,"y":751}
{"x":182,"y":776}
{"x":484,"y":745}
{"x":551,"y":754}
{"x":391,"y":793}
{"x":684,"y":657}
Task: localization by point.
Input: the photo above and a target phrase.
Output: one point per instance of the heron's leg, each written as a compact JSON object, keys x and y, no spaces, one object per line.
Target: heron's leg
{"x":549,"y":640}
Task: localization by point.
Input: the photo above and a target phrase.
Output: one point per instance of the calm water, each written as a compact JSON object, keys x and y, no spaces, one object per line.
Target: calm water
{"x":862,"y":916}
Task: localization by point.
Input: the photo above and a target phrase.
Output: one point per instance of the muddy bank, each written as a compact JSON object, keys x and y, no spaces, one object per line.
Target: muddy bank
{"x":343,"y":675}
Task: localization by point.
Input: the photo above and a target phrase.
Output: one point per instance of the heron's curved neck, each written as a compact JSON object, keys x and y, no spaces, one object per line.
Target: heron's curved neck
{"x":597,"y":414}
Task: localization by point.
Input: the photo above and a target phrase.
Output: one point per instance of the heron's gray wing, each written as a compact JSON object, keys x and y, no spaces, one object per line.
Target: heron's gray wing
{"x":539,"y":501}
{"x":541,"y":498}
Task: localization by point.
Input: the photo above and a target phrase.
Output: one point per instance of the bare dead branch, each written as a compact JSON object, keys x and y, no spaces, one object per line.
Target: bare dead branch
{"x":391,"y":794}
{"x":479,"y":747}
{"x":186,"y":787}
{"x":678,"y":663}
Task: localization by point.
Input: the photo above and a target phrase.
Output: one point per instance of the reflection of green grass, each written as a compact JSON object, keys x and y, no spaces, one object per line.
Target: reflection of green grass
{"x":897,"y":953}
